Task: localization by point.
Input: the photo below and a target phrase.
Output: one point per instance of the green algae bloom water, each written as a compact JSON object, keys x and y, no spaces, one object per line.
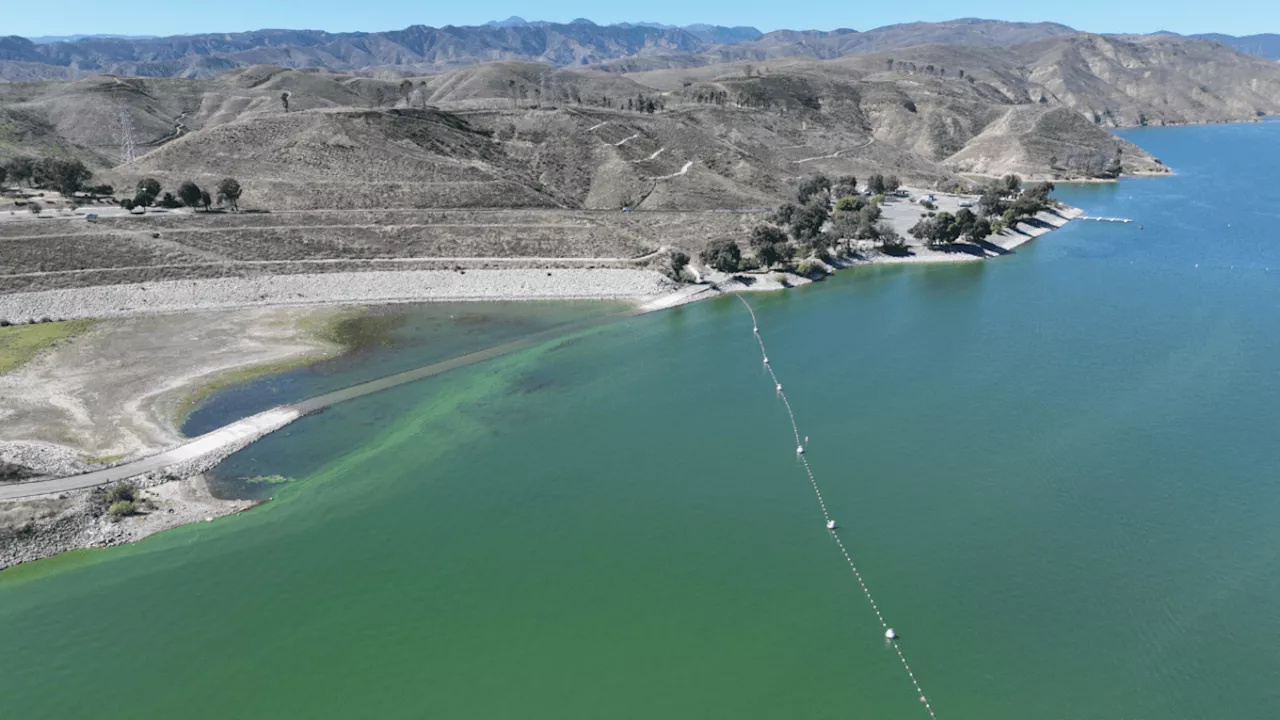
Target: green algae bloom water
{"x":1057,"y":472}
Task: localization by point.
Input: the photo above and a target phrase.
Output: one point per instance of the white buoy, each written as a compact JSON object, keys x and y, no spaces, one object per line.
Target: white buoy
{"x":831,"y":524}
{"x":799,"y":449}
{"x":890,"y":634}
{"x":766,"y":359}
{"x":755,"y":329}
{"x":779,"y":387}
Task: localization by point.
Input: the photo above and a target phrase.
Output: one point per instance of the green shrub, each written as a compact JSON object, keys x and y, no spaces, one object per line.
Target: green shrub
{"x":121,"y":492}
{"x":850,"y":203}
{"x":810,"y":267}
{"x":122,"y":508}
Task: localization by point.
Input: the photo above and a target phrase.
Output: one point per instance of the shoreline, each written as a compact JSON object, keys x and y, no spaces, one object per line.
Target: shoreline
{"x":60,"y":519}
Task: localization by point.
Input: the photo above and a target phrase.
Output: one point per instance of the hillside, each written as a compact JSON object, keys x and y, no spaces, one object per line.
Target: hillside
{"x":732,"y":135}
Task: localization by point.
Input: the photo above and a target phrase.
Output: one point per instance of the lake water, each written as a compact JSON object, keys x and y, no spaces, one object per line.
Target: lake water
{"x":1057,"y":472}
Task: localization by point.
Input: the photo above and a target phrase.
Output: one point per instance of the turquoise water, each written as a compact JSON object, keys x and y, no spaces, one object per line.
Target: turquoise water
{"x":1057,"y":472}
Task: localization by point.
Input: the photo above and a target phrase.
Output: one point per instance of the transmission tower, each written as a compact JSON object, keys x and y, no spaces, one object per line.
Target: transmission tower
{"x":128,"y":150}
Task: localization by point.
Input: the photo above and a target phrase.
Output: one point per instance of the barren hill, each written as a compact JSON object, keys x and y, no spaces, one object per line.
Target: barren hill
{"x":350,"y":158}
{"x":733,"y":135}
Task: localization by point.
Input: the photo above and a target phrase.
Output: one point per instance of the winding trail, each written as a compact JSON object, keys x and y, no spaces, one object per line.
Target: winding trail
{"x":835,"y":154}
{"x":832,"y":529}
{"x":683,"y":171}
{"x":654,"y":156}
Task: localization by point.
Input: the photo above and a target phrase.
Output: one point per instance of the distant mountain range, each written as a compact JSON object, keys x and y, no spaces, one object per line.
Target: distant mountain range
{"x":1266,"y":45}
{"x":46,"y":39}
{"x":420,"y":50}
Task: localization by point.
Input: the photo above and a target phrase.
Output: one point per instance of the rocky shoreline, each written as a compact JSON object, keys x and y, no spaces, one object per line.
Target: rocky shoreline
{"x":377,"y":286}
{"x":42,"y":526}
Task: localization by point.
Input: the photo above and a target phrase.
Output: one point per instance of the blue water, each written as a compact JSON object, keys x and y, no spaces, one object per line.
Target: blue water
{"x":1057,"y":471}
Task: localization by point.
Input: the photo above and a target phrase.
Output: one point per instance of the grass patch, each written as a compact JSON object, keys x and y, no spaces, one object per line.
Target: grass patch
{"x":20,"y":343}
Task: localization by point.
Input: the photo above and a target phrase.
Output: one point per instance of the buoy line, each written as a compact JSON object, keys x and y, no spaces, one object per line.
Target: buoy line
{"x":890,"y":636}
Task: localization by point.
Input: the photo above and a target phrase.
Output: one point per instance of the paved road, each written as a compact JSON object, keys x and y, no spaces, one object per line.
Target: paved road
{"x":241,"y":432}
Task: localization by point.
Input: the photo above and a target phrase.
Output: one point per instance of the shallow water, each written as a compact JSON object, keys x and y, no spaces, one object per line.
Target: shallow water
{"x":1057,"y":472}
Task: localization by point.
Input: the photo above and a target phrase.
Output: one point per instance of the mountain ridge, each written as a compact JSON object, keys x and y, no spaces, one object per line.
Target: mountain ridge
{"x":422,"y":49}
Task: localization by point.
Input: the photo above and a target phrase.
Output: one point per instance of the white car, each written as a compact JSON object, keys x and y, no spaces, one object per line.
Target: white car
{"x":966,"y":203}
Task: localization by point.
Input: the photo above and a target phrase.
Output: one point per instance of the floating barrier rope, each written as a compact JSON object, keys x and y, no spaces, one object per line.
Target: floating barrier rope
{"x":890,"y":636}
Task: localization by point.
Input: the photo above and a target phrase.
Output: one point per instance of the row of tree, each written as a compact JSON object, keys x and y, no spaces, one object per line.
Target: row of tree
{"x":1003,"y":203}
{"x":942,"y":229}
{"x":66,"y":175}
{"x":147,"y":193}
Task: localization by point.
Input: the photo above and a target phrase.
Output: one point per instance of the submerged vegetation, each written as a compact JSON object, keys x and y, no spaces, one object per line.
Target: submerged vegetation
{"x":268,"y":480}
{"x":344,"y":330}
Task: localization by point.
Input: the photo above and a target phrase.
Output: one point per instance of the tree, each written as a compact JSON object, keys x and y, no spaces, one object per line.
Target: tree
{"x":284,"y":99}
{"x":890,"y":241}
{"x":406,"y":87}
{"x":992,"y":202}
{"x":783,"y":215}
{"x":850,"y":204}
{"x":229,"y":192}
{"x":845,"y":185}
{"x":722,"y":254}
{"x":845,"y":225}
{"x":891,"y":184}
{"x":66,"y":176}
{"x":980,"y":231}
{"x":809,"y":219}
{"x":1012,"y":184}
{"x":21,"y":169}
{"x":169,"y":202}
{"x":189,"y":193}
{"x":72,"y":175}
{"x":816,"y":185}
{"x":769,"y":244}
{"x":205,"y":200}
{"x":679,"y":261}
{"x":4,"y":172}
{"x":876,"y":184}
{"x":1041,"y":191}
{"x":939,"y":230}
{"x":965,"y":221}
{"x":148,"y":190}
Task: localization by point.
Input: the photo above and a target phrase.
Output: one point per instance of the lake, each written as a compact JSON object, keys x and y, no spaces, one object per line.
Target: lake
{"x":1057,"y":472}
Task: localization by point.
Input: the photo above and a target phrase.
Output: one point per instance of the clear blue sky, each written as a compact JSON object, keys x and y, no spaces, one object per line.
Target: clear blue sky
{"x":68,"y":17}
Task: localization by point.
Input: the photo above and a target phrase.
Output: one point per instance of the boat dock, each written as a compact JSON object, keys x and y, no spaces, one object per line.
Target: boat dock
{"x":1105,"y":219}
